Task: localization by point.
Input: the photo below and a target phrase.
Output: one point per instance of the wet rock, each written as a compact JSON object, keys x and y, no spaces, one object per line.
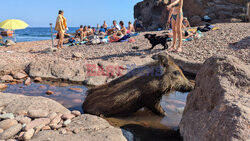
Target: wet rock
{"x":37,"y":122}
{"x":5,"y":124}
{"x":27,"y":81}
{"x":7,"y":78}
{"x":49,"y":92}
{"x":23,"y":120}
{"x":29,"y":134}
{"x":19,"y":81}
{"x":218,"y":108}
{"x":66,"y":122}
{"x":95,"y":80}
{"x":68,"y":116}
{"x":10,"y":132}
{"x":77,"y":100}
{"x":38,"y":79}
{"x":78,"y":90}
{"x":7,"y":116}
{"x":76,"y":113}
{"x":3,"y":86}
{"x":37,"y":113}
{"x":18,"y":75}
{"x":42,"y":87}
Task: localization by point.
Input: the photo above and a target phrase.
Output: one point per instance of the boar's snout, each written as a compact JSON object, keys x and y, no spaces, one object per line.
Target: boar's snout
{"x":187,"y":87}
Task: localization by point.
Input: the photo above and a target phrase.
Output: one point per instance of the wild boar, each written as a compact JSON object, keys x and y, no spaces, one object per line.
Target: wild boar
{"x":133,"y":91}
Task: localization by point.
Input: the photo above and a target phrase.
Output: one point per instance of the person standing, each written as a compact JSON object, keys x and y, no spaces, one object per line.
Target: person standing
{"x":176,"y":22}
{"x":61,"y":26}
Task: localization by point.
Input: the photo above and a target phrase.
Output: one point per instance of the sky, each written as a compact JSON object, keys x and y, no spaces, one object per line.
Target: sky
{"x":39,"y":13}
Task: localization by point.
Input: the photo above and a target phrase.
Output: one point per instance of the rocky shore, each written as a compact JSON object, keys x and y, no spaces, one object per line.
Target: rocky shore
{"x":221,"y":82}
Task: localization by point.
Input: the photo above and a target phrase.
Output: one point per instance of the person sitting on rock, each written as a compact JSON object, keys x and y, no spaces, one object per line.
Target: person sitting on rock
{"x":176,"y":22}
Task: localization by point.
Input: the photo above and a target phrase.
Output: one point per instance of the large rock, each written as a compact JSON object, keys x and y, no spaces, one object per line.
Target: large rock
{"x":154,"y":15}
{"x":90,"y":128}
{"x":58,"y":69}
{"x":219,"y":107}
{"x":17,"y":103}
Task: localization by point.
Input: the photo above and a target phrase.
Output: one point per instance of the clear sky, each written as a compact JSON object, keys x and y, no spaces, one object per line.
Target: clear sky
{"x":39,"y":13}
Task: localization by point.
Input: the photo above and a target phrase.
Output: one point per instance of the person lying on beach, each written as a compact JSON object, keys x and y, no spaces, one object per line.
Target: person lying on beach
{"x":102,"y":31}
{"x":186,"y":23}
{"x":80,"y":33}
{"x":123,"y":28}
{"x":185,"y":34}
{"x":130,"y":27}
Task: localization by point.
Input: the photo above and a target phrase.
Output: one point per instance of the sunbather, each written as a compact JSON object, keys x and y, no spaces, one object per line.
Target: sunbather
{"x":123,"y":28}
{"x":130,"y":27}
{"x":186,"y":23}
{"x":80,"y":32}
{"x":102,"y":31}
{"x":90,"y":31}
{"x":105,"y":26}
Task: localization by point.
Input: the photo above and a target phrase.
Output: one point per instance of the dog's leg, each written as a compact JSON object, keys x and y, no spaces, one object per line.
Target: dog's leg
{"x":153,"y":46}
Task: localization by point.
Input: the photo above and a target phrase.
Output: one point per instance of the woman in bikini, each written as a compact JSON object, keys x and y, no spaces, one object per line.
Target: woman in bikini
{"x":176,"y":22}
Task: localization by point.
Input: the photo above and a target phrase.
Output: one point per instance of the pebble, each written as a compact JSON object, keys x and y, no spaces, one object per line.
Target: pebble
{"x":63,"y":131}
{"x":55,"y":126}
{"x":19,"y":81}
{"x":75,"y":131}
{"x":27,"y":81}
{"x":51,"y":116}
{"x":19,"y":75}
{"x":66,"y":122}
{"x":22,"y":113}
{"x":7,"y":116}
{"x":68,"y":116}
{"x":46,"y":128}
{"x":5,"y":124}
{"x":57,"y":119}
{"x":38,"y":79}
{"x":20,"y":136}
{"x":36,"y":123}
{"x":10,"y":132}
{"x":39,"y":128}
{"x":49,"y":92}
{"x":76,"y":113}
{"x":77,"y":100}
{"x":23,"y":120}
{"x":37,"y":113}
{"x":78,"y":90}
{"x":7,"y":78}
{"x":1,"y":131}
{"x":29,"y":134}
{"x":3,"y":86}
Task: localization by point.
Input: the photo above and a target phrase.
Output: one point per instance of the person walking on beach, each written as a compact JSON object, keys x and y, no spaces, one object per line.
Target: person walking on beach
{"x":176,"y":23}
{"x":60,"y":27}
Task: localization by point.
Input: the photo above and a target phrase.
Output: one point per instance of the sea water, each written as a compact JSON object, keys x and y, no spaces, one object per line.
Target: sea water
{"x":35,"y":34}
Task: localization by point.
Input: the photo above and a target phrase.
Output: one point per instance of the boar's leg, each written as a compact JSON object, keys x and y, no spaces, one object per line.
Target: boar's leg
{"x":156,"y":108}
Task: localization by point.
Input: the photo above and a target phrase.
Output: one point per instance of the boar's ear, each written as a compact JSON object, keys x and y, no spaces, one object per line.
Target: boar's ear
{"x":163,"y":59}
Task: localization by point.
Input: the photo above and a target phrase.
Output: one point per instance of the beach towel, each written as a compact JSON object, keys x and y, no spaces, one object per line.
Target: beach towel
{"x":61,"y":24}
{"x":124,"y":38}
{"x":134,"y":34}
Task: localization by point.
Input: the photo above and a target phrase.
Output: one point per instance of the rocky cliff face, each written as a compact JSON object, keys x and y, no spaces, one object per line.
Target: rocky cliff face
{"x":154,"y":15}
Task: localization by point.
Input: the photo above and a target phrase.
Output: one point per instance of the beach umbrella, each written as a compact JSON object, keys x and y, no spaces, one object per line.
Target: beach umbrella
{"x":13,"y":24}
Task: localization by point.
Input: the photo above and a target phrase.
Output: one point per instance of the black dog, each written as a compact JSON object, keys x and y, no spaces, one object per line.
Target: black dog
{"x":155,"y":40}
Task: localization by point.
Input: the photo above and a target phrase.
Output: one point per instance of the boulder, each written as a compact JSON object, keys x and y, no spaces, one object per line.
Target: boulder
{"x":7,"y":78}
{"x":154,"y":15}
{"x":5,"y":124}
{"x":15,"y":103}
{"x":218,"y":108}
{"x":58,"y":69}
{"x":88,"y":128}
{"x":18,"y":75}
